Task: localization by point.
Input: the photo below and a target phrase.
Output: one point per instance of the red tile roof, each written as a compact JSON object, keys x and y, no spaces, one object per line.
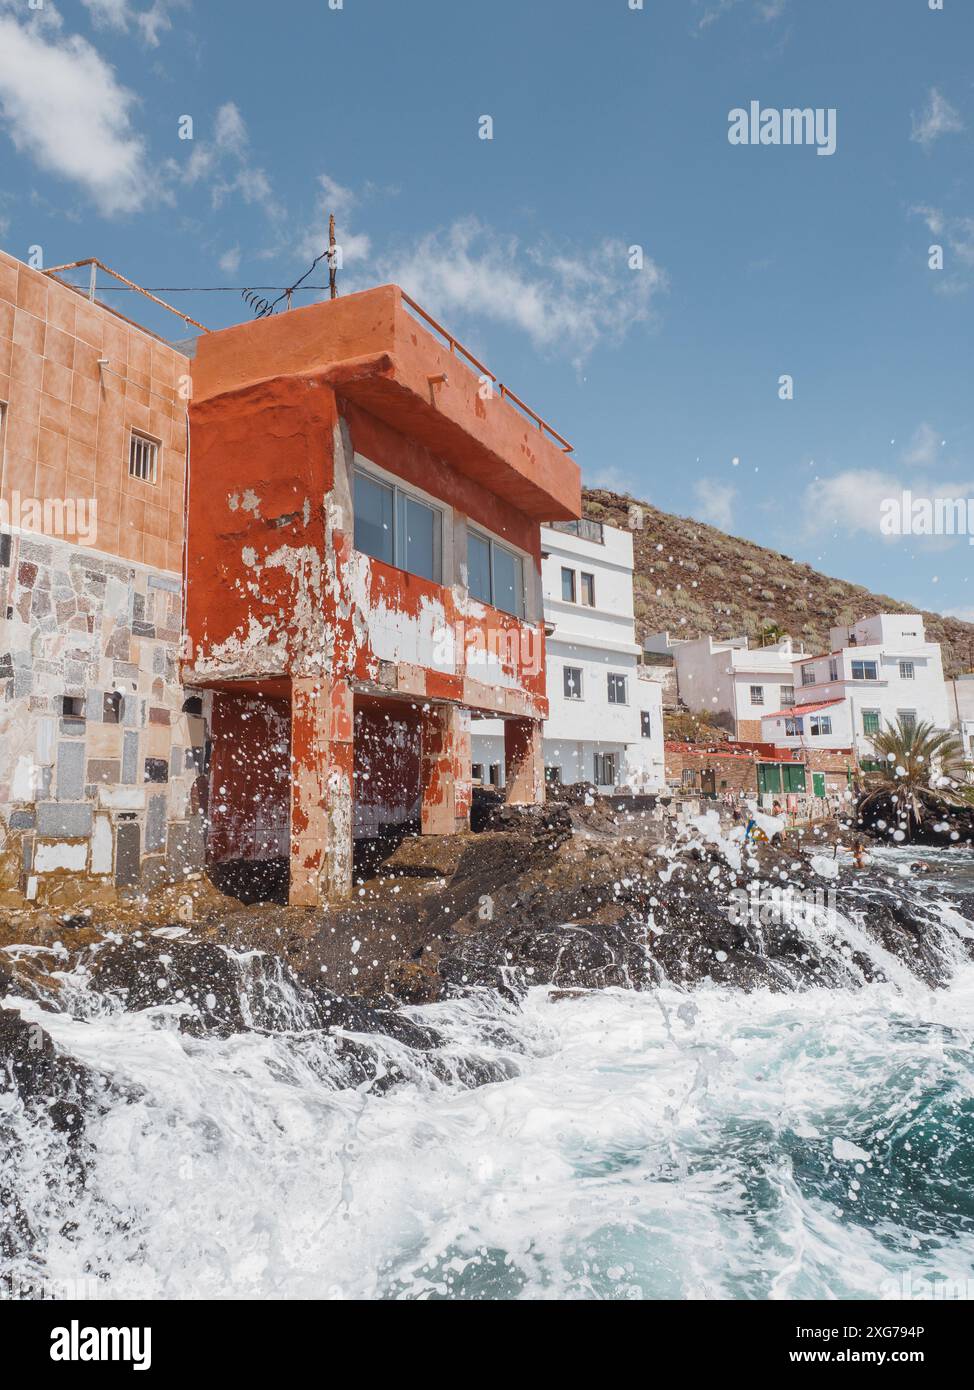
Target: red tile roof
{"x":802,"y":709}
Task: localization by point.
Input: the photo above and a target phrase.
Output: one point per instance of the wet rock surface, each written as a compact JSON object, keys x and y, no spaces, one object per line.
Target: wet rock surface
{"x":575,"y":895}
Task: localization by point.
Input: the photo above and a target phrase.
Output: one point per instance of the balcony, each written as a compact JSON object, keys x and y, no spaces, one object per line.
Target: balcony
{"x":375,"y":348}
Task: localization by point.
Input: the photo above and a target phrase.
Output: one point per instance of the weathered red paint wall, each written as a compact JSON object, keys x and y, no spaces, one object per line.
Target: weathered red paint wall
{"x":274,"y":441}
{"x":263,"y":467}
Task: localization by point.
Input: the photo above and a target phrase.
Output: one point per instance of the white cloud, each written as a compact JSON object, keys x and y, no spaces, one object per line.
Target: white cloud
{"x":956,"y":235}
{"x":610,"y":477}
{"x":223,"y":161}
{"x":715,"y":503}
{"x":767,"y":10}
{"x":63,"y":106}
{"x":561,"y":297}
{"x":937,"y":118}
{"x":122,"y":15}
{"x":923,"y":450}
{"x":230,"y":260}
{"x":966,"y":615}
{"x":341,"y":201}
{"x":849,"y":501}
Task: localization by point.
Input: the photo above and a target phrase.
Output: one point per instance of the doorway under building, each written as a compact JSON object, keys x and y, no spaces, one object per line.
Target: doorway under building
{"x":387,"y":762}
{"x":248,"y":838}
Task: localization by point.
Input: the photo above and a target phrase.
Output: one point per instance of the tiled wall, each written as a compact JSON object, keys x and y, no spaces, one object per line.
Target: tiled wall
{"x":113,"y":786}
{"x":69,"y":421}
{"x":112,"y":789}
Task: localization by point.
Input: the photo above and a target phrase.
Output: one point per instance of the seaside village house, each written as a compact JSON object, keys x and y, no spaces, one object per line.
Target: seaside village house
{"x":359,"y":530}
{"x":738,"y":685}
{"x":605,"y":721}
{"x":878,"y":671}
{"x":734,"y":683}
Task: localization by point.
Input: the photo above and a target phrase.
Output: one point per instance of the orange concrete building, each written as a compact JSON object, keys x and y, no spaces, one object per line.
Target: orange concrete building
{"x":254,"y":650}
{"x":362,"y":579}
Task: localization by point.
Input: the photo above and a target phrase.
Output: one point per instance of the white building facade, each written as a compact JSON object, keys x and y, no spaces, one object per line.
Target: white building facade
{"x":734,"y":683}
{"x":960,"y":707}
{"x":878,"y":671}
{"x":605,"y":722}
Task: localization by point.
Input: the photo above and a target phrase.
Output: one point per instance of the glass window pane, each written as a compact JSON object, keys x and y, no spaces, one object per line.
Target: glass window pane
{"x":478,"y":567}
{"x":568,"y":586}
{"x":507,"y":581}
{"x":373,"y":518}
{"x":419,"y":538}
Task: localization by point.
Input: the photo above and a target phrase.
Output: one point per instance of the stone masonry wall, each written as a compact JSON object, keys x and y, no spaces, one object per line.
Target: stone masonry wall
{"x":104,"y":767}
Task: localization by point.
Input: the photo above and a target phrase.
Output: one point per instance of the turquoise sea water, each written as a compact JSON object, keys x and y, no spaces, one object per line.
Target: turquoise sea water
{"x":666,"y":1144}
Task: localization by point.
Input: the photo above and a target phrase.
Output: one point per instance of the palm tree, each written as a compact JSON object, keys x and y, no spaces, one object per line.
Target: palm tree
{"x":923,"y":771}
{"x":771,"y":634}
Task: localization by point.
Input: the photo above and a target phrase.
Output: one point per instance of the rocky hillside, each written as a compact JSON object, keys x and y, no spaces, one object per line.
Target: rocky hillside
{"x":693,"y":579}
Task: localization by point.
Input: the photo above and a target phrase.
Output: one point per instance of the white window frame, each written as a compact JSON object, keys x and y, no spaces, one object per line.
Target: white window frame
{"x":864,"y":663}
{"x":808,"y":675}
{"x":820,"y":726}
{"x":493,"y":544}
{"x":908,"y":670}
{"x":151,"y":448}
{"x":786,"y":702}
{"x":387,"y":480}
{"x":757,"y":698}
{"x":582,"y":576}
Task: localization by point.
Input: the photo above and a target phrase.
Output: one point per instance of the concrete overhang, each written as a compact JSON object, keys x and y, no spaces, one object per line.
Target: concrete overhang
{"x":373,"y":351}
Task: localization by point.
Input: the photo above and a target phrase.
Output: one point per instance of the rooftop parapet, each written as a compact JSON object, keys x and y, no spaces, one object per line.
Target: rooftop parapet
{"x":371,"y":348}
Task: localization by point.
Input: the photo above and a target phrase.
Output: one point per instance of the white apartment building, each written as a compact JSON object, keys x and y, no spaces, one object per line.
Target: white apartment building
{"x":879,"y":670}
{"x":735,"y":683}
{"x":605,"y":722}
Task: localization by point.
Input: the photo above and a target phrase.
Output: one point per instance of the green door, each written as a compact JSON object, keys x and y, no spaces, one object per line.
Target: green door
{"x":769,"y":778}
{"x":794,"y":777}
{"x":818,"y":784}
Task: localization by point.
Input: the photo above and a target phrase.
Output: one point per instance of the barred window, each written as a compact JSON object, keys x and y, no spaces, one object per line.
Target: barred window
{"x":143,"y":458}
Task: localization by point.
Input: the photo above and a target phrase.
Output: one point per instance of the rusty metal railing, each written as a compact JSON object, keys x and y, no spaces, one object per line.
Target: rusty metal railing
{"x":505,"y":392}
{"x":94,"y":265}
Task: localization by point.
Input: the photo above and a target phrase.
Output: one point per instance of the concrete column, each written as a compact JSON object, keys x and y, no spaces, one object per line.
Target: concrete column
{"x":445,"y":788}
{"x":321,"y":790}
{"x":523,"y":762}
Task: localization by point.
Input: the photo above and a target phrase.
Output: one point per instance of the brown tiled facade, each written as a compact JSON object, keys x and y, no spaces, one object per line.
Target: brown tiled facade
{"x":68,"y":419}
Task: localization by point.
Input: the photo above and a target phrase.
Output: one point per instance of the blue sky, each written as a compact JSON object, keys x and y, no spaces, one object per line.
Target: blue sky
{"x":610,"y":130}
